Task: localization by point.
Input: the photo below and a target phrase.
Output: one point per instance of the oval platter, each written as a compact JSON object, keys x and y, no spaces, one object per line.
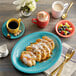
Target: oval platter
{"x":39,"y":67}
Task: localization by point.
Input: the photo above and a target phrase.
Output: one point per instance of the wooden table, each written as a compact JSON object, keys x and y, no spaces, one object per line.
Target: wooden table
{"x":7,"y":10}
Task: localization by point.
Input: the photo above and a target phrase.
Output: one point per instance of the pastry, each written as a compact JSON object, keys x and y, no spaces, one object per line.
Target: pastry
{"x":38,"y":51}
{"x":49,"y":40}
{"x":28,"y":58}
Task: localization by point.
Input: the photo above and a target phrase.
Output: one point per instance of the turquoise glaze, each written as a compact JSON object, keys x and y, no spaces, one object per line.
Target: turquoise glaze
{"x":39,"y":67}
{"x":5,"y":32}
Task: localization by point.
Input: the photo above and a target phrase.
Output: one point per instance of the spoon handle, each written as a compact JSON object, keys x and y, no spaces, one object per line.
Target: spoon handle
{"x":69,"y":7}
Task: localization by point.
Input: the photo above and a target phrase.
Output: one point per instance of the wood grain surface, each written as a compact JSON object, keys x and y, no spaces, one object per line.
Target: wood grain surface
{"x":7,"y":11}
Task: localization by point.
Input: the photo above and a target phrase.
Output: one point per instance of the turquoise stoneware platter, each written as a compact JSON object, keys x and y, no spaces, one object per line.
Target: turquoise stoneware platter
{"x":5,"y":32}
{"x":39,"y":67}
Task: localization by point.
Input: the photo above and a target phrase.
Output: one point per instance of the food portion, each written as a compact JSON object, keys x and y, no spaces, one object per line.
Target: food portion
{"x":65,"y":29}
{"x":27,"y":57}
{"x":42,"y":16}
{"x":38,"y":51}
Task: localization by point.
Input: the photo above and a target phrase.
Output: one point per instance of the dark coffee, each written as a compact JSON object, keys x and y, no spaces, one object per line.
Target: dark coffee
{"x":13,"y":25}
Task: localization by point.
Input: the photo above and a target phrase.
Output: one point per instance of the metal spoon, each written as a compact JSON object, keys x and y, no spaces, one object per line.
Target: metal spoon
{"x":65,"y":14}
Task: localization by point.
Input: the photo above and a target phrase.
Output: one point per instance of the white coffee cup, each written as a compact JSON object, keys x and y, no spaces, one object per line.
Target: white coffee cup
{"x":57,"y":12}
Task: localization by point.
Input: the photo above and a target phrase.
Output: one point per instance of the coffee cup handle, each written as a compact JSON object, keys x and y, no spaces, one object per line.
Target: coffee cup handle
{"x":66,"y":6}
{"x":19,"y":19}
{"x":33,"y":20}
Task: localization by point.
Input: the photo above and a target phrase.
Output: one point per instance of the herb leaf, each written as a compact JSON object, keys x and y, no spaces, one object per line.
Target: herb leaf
{"x":36,"y":0}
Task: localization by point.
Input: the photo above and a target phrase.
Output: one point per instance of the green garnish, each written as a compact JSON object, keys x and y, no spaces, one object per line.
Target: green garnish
{"x":36,"y":0}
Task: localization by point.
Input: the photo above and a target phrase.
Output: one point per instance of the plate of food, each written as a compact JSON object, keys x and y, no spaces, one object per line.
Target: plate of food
{"x":65,"y":28}
{"x":36,"y":52}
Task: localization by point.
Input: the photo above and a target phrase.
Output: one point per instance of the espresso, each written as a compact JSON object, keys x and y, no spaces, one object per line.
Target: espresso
{"x":58,"y":7}
{"x":13,"y":25}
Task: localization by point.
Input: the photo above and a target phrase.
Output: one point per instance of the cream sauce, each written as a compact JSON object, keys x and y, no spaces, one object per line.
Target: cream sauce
{"x":27,"y":55}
